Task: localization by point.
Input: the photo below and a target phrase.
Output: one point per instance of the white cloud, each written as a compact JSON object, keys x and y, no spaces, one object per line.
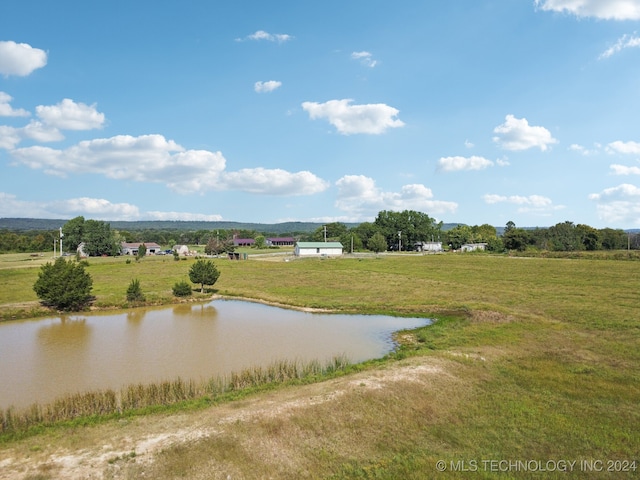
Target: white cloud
{"x":269,"y":37}
{"x":603,"y":9}
{"x":98,"y":208}
{"x":619,"y":205}
{"x":9,"y":137}
{"x":20,"y":58}
{"x":574,"y":147}
{"x":536,"y":204}
{"x":456,"y":164}
{"x":365,"y":58}
{"x":66,"y":115}
{"x":265,"y":87}
{"x":629,"y":148}
{"x":623,"y":170}
{"x":468,"y":144}
{"x":517,"y":134}
{"x":6,"y":110}
{"x":623,"y":42}
{"x":152,"y":158}
{"x":351,"y":119}
{"x":361,"y":198}
{"x":274,"y":182}
{"x":69,"y":115}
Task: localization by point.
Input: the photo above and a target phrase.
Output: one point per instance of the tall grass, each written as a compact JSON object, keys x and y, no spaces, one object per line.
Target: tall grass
{"x":141,"y":396}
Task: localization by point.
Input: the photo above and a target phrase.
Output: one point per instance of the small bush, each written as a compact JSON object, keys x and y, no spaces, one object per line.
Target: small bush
{"x":134,"y":291}
{"x":182,"y":289}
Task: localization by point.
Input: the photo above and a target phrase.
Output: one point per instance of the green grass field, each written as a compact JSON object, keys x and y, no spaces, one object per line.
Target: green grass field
{"x":539,"y":356}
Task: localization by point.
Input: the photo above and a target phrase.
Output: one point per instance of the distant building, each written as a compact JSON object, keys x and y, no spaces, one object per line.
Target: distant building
{"x":280,"y":242}
{"x":472,"y":247}
{"x":132,"y":248}
{"x":428,"y":246}
{"x":243,"y":242}
{"x":318,"y":249}
{"x":182,"y":250}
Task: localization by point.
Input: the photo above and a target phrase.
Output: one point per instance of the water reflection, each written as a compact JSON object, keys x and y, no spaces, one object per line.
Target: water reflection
{"x":42,"y":359}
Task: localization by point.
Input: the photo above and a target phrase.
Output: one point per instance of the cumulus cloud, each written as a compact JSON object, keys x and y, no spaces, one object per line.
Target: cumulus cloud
{"x":623,"y":42}
{"x":365,"y":58}
{"x":627,"y":148}
{"x":20,"y":58}
{"x":98,"y":208}
{"x":624,"y":170}
{"x":154,"y":159}
{"x":619,"y":205}
{"x":574,"y":147}
{"x":359,"y":196}
{"x":537,"y":204}
{"x":265,"y":87}
{"x":274,"y":182}
{"x":6,"y":110}
{"x":66,"y":115}
{"x":9,"y":137}
{"x":517,"y":134}
{"x":606,"y":10}
{"x":261,"y":35}
{"x":69,"y":115}
{"x":456,"y":164}
{"x":350,"y":119}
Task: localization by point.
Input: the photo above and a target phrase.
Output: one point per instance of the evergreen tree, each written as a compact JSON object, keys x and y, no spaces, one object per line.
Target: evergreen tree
{"x":64,"y":285}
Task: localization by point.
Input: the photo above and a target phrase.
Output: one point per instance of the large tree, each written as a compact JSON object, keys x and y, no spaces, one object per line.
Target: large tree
{"x":99,"y":239}
{"x":64,"y":285}
{"x":408,"y":226}
{"x":377,"y":243}
{"x":204,"y":272}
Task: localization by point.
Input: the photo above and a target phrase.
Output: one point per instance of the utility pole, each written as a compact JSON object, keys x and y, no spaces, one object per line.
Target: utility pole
{"x":61,"y":235}
{"x":325,"y":233}
{"x":400,"y":241}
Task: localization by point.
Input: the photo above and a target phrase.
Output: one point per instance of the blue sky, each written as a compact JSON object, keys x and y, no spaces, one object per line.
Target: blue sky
{"x":472,"y":111}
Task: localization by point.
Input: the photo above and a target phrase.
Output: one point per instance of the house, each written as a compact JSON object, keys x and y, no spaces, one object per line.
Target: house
{"x":472,"y":247}
{"x":310,"y":249}
{"x":428,"y":246}
{"x":280,"y":241}
{"x":132,"y":248}
{"x":182,"y":250}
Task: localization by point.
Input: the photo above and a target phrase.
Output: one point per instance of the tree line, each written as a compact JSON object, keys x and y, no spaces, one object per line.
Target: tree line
{"x":389,"y":231}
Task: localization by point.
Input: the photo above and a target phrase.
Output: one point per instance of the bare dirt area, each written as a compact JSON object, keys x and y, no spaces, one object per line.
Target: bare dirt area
{"x":272,"y":432}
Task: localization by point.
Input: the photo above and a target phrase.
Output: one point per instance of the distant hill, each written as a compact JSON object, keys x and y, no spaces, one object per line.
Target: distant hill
{"x":25,"y":224}
{"x":43,"y":224}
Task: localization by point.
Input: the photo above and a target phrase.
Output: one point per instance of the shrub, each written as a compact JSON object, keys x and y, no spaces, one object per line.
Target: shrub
{"x":134,"y":291}
{"x":182,"y":289}
{"x":204,"y":272}
{"x":64,"y":285}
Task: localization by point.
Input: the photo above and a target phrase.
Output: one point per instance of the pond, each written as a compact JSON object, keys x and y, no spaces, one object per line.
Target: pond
{"x":46,"y":358}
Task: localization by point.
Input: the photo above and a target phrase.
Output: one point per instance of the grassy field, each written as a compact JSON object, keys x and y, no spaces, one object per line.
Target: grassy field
{"x":537,"y":362}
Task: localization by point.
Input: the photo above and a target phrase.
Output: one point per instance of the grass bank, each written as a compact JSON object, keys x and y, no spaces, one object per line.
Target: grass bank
{"x":530,"y":359}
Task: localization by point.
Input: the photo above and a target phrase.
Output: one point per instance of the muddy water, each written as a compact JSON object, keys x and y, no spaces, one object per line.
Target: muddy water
{"x":46,"y":358}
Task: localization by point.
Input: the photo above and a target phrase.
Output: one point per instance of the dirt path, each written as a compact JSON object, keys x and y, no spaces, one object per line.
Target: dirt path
{"x":108,"y":450}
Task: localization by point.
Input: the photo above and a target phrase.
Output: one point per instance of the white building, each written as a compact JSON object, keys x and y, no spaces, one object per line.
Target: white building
{"x":472,"y":247}
{"x":428,"y":246}
{"x":317,"y":249}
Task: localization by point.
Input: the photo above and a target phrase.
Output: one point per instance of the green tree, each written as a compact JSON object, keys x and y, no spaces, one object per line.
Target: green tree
{"x":413,"y":227}
{"x":458,"y":236}
{"x":182,"y":289}
{"x":73,"y":232}
{"x":134,"y":291}
{"x":377,"y":243}
{"x":142,"y":251}
{"x":515,"y":238}
{"x":260,"y":241}
{"x":64,"y":285}
{"x":203,"y":272}
{"x":99,"y":239}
